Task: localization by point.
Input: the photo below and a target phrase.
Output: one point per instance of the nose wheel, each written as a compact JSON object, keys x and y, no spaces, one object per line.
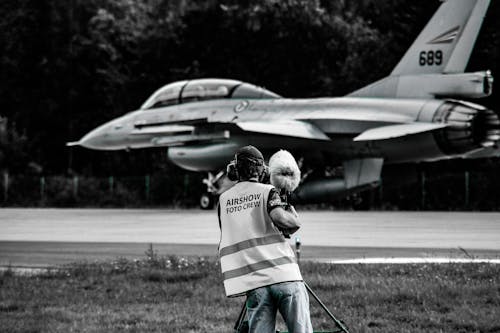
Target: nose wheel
{"x":216,"y":184}
{"x":207,"y":201}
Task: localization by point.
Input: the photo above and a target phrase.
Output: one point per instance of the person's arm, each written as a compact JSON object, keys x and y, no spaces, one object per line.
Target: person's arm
{"x":285,"y":219}
{"x":283,"y":216}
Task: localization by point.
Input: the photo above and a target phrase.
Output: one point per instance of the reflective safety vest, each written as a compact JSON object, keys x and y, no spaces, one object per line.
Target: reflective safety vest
{"x":253,"y":252}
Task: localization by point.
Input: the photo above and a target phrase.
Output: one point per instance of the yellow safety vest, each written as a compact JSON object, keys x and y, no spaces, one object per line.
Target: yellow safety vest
{"x":253,"y":252}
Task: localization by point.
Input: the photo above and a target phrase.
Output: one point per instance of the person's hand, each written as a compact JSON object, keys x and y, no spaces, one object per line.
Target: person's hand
{"x":292,"y":210}
{"x":288,"y":231}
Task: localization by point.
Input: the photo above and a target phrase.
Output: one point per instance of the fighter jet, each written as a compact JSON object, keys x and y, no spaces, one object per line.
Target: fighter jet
{"x":413,"y":115}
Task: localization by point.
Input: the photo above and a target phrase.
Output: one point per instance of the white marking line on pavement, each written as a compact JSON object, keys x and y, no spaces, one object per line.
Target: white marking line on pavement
{"x":40,"y":270}
{"x":412,"y":261}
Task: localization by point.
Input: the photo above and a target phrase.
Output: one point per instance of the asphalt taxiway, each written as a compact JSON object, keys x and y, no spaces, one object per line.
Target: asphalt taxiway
{"x":45,"y":237}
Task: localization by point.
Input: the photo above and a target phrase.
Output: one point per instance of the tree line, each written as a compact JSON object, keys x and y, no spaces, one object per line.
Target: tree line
{"x":68,"y":66}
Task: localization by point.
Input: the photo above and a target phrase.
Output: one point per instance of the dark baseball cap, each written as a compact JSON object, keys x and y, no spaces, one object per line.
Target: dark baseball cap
{"x":249,"y":153}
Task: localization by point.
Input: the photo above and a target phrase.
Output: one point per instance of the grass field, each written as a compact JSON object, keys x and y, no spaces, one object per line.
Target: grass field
{"x":173,"y":294}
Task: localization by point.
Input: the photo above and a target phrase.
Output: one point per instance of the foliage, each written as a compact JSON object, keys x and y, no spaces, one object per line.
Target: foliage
{"x":139,"y":296}
{"x":80,"y":191}
{"x":435,"y":186}
{"x":13,"y":149}
{"x":68,"y":66}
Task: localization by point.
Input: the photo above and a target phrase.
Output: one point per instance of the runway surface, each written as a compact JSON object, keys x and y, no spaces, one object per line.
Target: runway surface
{"x":41,"y":237}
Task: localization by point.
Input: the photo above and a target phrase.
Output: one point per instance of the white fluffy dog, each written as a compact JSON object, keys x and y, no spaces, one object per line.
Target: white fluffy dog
{"x":284,"y":171}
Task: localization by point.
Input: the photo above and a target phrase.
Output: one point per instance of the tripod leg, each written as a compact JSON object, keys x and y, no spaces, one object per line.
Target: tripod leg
{"x":335,"y":320}
{"x":241,"y":318}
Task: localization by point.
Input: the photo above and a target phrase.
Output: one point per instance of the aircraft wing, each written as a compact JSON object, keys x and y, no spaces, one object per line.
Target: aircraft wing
{"x":174,"y":134}
{"x":291,"y":128}
{"x":180,"y":133}
{"x":395,"y":131}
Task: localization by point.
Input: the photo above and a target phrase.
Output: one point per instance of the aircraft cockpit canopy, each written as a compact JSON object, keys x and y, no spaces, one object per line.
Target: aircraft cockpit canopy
{"x":204,"y":89}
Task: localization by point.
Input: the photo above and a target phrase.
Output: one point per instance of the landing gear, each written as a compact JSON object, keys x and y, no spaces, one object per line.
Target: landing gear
{"x":207,"y":201}
{"x":215,"y":186}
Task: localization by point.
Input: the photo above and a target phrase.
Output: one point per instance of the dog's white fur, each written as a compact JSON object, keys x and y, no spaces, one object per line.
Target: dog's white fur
{"x":284,"y":171}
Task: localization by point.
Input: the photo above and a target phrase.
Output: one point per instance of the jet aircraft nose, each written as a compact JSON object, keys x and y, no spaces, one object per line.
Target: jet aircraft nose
{"x":101,"y":139}
{"x":95,"y":139}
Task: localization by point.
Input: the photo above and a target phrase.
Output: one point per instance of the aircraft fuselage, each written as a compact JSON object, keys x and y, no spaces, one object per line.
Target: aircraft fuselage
{"x":203,"y":136}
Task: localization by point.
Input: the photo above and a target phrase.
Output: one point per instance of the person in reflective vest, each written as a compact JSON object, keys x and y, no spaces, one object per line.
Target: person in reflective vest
{"x":256,"y":260}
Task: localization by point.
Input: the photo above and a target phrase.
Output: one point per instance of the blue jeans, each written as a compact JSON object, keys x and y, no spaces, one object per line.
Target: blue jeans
{"x":290,"y":298}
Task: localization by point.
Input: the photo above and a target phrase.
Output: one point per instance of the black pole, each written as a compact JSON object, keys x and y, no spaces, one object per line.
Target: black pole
{"x":241,"y":318}
{"x":337,"y":322}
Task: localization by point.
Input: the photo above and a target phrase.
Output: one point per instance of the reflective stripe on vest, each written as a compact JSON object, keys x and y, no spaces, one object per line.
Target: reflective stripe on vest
{"x":253,"y":252}
{"x":257,"y":267}
{"x":246,"y":244}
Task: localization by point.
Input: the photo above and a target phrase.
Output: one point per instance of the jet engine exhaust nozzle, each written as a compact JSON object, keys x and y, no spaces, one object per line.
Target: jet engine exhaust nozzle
{"x":470,"y":127}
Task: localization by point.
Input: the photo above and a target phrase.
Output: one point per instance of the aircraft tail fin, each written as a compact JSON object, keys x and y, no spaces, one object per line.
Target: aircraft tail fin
{"x":446,"y":42}
{"x":443,"y":47}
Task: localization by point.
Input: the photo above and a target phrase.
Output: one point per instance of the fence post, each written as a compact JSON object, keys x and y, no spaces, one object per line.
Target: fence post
{"x":147,"y":184}
{"x":42,"y":188}
{"x":186,"y":185}
{"x":111,"y":181}
{"x":75,"y":186}
{"x":5,"y":185}
{"x":467,"y":189}
{"x":381,"y":194}
{"x":422,"y":187}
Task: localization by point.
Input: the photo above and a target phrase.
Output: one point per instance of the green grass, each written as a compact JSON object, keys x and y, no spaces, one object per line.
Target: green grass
{"x":172,"y":294}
